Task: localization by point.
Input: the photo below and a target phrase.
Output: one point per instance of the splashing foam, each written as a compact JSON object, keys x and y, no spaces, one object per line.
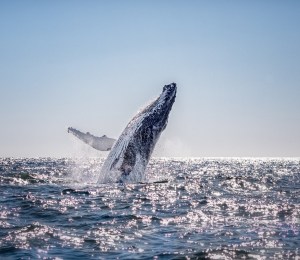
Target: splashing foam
{"x":86,"y":165}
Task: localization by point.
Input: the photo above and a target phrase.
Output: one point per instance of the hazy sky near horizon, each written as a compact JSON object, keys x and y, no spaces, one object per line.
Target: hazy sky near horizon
{"x":92,"y":64}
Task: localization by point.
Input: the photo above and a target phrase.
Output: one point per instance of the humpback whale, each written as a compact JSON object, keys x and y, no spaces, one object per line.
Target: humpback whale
{"x":130,"y":154}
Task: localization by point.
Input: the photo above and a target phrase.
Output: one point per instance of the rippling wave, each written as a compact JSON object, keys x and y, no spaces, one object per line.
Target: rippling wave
{"x":186,"y":209}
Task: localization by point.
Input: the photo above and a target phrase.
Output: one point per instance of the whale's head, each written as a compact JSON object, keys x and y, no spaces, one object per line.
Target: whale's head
{"x":158,"y":112}
{"x":148,"y":124}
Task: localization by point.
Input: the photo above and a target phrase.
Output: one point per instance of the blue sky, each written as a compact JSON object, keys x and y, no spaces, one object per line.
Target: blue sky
{"x":93,"y":64}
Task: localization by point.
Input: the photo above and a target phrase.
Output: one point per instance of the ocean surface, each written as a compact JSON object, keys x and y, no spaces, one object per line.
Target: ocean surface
{"x":183,"y":208}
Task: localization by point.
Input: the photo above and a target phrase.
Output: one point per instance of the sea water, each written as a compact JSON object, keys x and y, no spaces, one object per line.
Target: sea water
{"x":185,"y":208}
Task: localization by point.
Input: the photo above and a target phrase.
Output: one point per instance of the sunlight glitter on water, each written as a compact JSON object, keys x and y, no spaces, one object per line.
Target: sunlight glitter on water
{"x":209,"y":208}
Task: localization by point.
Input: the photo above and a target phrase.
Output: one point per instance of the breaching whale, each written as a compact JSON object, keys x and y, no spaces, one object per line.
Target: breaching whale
{"x":130,"y":154}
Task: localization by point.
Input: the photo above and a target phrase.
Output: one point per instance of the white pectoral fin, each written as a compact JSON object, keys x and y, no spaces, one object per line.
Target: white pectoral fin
{"x":99,"y":143}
